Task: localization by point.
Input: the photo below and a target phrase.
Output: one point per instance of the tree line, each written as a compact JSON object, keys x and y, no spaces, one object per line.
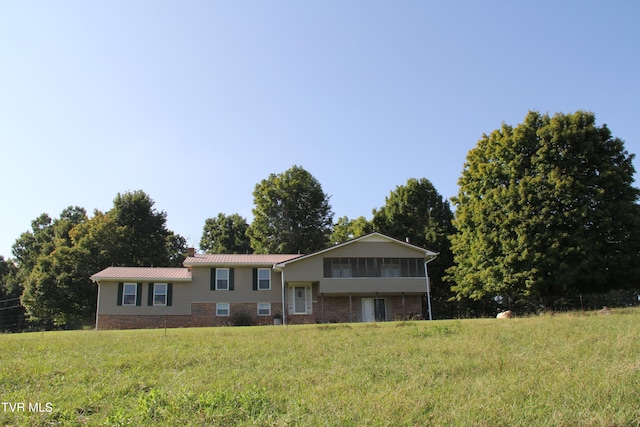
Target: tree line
{"x":546,"y":217}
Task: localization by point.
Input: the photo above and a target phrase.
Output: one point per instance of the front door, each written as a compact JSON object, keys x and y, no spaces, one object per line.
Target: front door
{"x":300,"y":301}
{"x":374,"y":310}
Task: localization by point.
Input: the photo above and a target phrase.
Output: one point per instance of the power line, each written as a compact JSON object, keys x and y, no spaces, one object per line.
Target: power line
{"x":11,"y":299}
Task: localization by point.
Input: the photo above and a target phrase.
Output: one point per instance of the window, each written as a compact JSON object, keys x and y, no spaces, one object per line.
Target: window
{"x":264,"y":279}
{"x":341,"y":270}
{"x":129,"y":294}
{"x":160,"y":294}
{"x":373,"y":267}
{"x":222,"y":309}
{"x":222,"y":279}
{"x":391,"y":268}
{"x":264,"y":309}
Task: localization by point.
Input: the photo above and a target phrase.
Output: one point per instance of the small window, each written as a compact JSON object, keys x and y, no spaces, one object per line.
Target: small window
{"x":264,"y":279}
{"x":222,"y":279}
{"x":129,"y":294}
{"x":264,"y":309}
{"x":222,"y":309}
{"x":160,"y":294}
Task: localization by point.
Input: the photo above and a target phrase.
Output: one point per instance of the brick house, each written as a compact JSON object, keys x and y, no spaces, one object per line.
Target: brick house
{"x":370,"y":278}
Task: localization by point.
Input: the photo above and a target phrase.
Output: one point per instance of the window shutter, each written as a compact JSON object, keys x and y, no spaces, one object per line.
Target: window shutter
{"x":255,"y":279}
{"x":213,"y":279}
{"x":150,"y":296}
{"x":139,"y":295}
{"x":169,"y":293}
{"x":231,"y":285}
{"x":120,"y":287}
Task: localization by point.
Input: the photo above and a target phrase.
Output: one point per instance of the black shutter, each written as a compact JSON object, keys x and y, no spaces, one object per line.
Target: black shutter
{"x":169,"y":293}
{"x":139,"y":295}
{"x":231,"y":287}
{"x":213,"y":279}
{"x":120,"y":287}
{"x":255,"y":279}
{"x":150,"y":296}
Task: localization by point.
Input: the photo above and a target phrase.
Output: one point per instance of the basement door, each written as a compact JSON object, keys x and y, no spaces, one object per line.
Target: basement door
{"x":374,"y":309}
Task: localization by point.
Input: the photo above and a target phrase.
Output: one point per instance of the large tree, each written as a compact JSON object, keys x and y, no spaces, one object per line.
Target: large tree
{"x":11,"y":312}
{"x":418,"y":212}
{"x":56,"y":258}
{"x":346,"y":229}
{"x":545,"y":210}
{"x":142,"y":229}
{"x":225,"y":234}
{"x":292,"y":214}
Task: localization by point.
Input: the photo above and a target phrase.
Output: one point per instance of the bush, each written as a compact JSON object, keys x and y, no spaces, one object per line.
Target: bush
{"x":241,"y":318}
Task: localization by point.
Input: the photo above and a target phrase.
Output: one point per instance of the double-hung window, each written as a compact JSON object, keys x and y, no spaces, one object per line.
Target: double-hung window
{"x":160,"y":294}
{"x":129,"y":293}
{"x":222,"y":279}
{"x":264,"y":309}
{"x":264,"y":279}
{"x":222,"y":309}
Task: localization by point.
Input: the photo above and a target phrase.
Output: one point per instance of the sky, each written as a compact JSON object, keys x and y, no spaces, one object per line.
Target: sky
{"x":196,"y":102}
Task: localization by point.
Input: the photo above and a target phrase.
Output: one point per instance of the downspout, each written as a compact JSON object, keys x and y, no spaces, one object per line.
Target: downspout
{"x":426,"y":276}
{"x":284,"y":310}
{"x":97,"y":305}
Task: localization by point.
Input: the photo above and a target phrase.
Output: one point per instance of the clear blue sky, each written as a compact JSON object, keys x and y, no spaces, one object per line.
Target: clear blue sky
{"x":195,"y":102}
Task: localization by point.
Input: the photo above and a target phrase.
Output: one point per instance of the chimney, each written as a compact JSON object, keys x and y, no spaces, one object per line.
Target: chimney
{"x":191,"y":252}
{"x":406,"y":239}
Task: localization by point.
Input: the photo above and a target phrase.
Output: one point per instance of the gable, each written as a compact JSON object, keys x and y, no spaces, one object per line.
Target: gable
{"x":372,"y":245}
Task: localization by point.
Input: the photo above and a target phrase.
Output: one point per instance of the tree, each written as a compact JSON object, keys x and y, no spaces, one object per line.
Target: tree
{"x":59,"y":291}
{"x":11,"y":312}
{"x":346,"y":229}
{"x":292,"y":214}
{"x":545,"y":210}
{"x":31,"y":244}
{"x":418,"y":212}
{"x":144,"y":237}
{"x":225,"y":235}
{"x":57,"y":258}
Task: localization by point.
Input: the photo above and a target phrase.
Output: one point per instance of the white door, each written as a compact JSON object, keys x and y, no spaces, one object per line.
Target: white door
{"x":300,"y":301}
{"x":374,"y":309}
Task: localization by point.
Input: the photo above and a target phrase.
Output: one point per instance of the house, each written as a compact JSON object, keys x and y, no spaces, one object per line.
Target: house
{"x":370,"y":278}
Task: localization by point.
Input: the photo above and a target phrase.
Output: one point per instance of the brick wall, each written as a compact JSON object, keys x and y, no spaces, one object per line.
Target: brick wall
{"x":332,"y":310}
{"x":410,"y":308}
{"x":202,"y":314}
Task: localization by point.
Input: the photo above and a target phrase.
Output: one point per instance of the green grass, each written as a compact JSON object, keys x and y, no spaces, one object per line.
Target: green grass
{"x":562,"y":370}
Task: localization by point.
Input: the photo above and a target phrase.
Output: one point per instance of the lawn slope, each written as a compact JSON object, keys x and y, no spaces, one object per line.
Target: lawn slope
{"x":569,"y":369}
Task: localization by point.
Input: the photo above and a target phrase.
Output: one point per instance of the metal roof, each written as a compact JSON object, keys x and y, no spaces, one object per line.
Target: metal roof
{"x":143,"y":273}
{"x":236,"y":259}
